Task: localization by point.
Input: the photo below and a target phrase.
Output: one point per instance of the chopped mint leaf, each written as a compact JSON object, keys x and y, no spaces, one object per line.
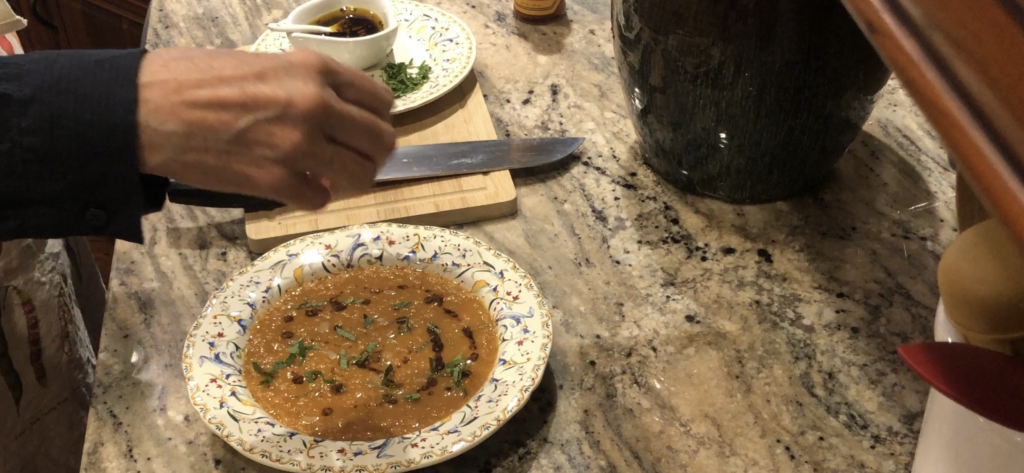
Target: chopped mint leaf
{"x":345,"y":333}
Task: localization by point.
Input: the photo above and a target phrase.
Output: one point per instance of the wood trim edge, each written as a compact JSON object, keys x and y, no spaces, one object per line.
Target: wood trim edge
{"x":978,"y":157}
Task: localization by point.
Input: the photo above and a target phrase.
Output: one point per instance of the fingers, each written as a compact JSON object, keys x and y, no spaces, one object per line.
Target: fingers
{"x":351,"y":85}
{"x":297,"y":189}
{"x":291,"y":127}
{"x":359,"y":130}
{"x":343,"y":170}
{"x":343,"y":133}
{"x":359,"y":89}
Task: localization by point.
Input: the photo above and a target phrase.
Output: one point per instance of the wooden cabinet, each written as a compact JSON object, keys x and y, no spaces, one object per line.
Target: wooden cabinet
{"x":40,"y":35}
{"x":81,"y":24}
{"x":102,"y":23}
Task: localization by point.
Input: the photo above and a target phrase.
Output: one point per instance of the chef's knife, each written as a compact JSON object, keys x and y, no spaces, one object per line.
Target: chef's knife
{"x":415,"y":162}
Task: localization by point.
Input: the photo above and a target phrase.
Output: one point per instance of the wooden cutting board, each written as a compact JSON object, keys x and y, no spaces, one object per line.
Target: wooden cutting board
{"x":461,"y":115}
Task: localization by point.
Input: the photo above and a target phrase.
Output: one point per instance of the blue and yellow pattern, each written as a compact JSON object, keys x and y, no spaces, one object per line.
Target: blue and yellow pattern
{"x":430,"y":34}
{"x":212,"y":360}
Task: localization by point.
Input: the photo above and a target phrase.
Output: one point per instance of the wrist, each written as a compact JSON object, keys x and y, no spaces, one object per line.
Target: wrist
{"x":148,"y":151}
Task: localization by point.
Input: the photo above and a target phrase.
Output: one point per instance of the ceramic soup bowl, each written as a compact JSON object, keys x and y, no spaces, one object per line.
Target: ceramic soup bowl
{"x":212,"y":358}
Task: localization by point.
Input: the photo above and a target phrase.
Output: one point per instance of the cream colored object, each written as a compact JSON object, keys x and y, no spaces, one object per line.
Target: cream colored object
{"x":360,"y":53}
{"x":981,"y":280}
{"x":9,"y":22}
{"x":460,"y":115}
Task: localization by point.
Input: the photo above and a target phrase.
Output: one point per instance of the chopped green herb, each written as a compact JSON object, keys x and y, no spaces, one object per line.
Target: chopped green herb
{"x":352,"y":301}
{"x":406,"y":327}
{"x":433,"y":328}
{"x":259,"y":369}
{"x":300,"y":348}
{"x":455,"y":362}
{"x":401,"y":305}
{"x":314,"y":374}
{"x":386,"y":381}
{"x":457,"y":376}
{"x":402,"y":81}
{"x":361,"y":359}
{"x":310,"y":305}
{"x":413,"y":397}
{"x":387,"y":396}
{"x":268,"y":376}
{"x":345,"y":333}
{"x":464,"y":392}
{"x":422,"y":346}
{"x":278,"y":365}
{"x":367,"y":321}
{"x":431,"y":367}
{"x":454,"y":369}
{"x":343,"y":360}
{"x":287,"y":362}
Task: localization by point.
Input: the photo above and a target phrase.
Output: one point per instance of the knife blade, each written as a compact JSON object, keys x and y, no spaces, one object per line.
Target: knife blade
{"x":415,"y":162}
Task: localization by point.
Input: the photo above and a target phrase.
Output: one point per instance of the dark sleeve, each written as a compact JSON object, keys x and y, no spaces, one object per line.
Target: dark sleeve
{"x":68,"y":146}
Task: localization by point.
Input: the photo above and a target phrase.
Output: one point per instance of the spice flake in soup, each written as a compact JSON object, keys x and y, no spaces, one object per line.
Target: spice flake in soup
{"x":370,"y":354}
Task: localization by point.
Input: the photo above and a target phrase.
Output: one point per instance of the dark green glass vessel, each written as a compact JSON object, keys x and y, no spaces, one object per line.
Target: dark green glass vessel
{"x":744,"y":100}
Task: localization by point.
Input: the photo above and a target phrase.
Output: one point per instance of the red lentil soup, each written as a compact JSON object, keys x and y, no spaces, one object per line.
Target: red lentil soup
{"x":370,"y":353}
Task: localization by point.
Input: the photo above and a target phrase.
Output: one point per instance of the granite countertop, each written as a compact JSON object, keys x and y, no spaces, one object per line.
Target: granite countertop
{"x":690,"y":335}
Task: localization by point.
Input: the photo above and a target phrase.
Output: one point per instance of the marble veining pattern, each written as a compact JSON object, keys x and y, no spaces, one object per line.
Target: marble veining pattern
{"x":690,"y":335}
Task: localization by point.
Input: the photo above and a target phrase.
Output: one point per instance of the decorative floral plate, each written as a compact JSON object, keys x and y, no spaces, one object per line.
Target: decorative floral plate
{"x":426,"y":33}
{"x":212,"y":359}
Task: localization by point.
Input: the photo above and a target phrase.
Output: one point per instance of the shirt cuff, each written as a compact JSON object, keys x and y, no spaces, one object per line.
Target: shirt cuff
{"x":77,"y":147}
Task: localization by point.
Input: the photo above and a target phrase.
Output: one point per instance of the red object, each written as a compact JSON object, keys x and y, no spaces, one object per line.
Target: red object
{"x":6,"y":46}
{"x":984,"y":381}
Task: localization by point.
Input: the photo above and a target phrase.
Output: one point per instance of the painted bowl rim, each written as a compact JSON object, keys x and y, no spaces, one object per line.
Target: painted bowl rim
{"x":526,"y":385}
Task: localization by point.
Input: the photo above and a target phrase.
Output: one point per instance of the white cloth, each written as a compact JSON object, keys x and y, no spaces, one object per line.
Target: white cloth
{"x":41,"y":430}
{"x":9,"y":22}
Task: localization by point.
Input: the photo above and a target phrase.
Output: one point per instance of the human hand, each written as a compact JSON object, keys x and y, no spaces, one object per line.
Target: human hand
{"x":294,"y":127}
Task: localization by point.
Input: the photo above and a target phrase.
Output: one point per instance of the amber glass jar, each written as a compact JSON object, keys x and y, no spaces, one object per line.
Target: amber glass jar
{"x":539,"y":11}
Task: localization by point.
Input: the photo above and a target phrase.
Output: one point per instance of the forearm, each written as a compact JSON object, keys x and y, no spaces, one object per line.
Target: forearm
{"x":69,"y":146}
